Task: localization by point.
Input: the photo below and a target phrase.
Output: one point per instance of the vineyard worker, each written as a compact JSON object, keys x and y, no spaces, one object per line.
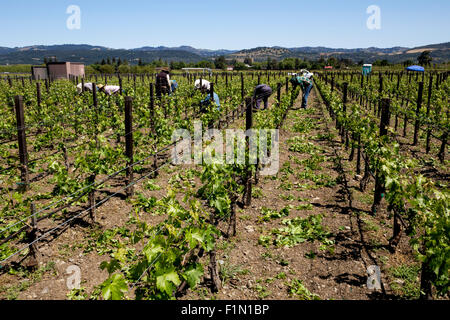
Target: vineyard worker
{"x":163,"y":83}
{"x":205,"y":84}
{"x":109,"y":90}
{"x":205,"y":102}
{"x":87,"y":87}
{"x":306,"y":83}
{"x":294,"y":81}
{"x":173,"y":85}
{"x":262,"y":93}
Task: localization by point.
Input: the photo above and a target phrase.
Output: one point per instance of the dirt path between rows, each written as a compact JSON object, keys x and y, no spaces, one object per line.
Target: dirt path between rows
{"x":254,"y":271}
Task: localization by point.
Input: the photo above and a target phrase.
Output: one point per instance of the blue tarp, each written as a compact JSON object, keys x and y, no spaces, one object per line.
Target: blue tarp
{"x":415,"y":68}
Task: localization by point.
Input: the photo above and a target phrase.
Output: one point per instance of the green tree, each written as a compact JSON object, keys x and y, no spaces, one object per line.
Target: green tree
{"x":332,"y":61}
{"x":381,"y":63}
{"x":248,"y":61}
{"x":220,"y":62}
{"x":107,"y":68}
{"x":124,"y":68}
{"x":424,"y":58}
{"x":240,"y":66}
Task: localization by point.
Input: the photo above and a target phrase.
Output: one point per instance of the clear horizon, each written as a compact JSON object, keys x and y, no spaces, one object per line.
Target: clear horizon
{"x":230,"y":25}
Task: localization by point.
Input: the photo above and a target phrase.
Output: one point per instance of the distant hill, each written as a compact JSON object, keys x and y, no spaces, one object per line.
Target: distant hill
{"x":200,"y":52}
{"x":90,"y":54}
{"x":439,"y":53}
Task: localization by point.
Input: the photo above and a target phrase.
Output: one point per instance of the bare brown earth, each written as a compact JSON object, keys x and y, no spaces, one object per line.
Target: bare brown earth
{"x":250,"y":270}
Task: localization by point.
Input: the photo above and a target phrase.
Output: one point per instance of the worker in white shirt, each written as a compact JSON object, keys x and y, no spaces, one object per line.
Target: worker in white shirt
{"x":87,"y":87}
{"x":205,"y":84}
{"x":109,"y":89}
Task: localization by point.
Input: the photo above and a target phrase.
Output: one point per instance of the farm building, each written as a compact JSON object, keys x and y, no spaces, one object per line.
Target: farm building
{"x":58,"y":70}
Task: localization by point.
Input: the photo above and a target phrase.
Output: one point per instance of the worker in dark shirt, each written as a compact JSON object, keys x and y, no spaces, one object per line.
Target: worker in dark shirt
{"x":262,"y":93}
{"x":163,"y":85}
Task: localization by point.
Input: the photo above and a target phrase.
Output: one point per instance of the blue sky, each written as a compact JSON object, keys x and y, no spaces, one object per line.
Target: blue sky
{"x":232,"y":24}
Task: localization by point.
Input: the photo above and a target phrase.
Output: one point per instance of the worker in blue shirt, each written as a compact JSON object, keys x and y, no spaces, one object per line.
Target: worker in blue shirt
{"x":205,"y":102}
{"x":173,"y":85}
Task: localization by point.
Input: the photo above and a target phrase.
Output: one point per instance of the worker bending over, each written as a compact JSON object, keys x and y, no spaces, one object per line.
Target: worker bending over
{"x":87,"y":87}
{"x":109,"y":89}
{"x":202,"y":84}
{"x":262,"y":93}
{"x":306,"y":83}
{"x":163,"y":85}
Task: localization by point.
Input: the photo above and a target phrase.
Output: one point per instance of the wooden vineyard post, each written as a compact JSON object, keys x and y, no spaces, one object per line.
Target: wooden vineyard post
{"x":47,"y":88}
{"x":242,"y":87}
{"x":442,"y":150}
{"x":232,"y":226}
{"x":212,"y":103}
{"x":380,"y":93}
{"x":419,"y":105}
{"x":279,"y":96}
{"x":32,"y":235}
{"x":129,"y":143}
{"x":82,"y":85}
{"x":344,"y":110}
{"x":23,"y":154}
{"x":287,"y":84}
{"x":121,"y":86}
{"x":38,"y":98}
{"x":430,"y":89}
{"x":259,"y":78}
{"x":153,"y":130}
{"x":91,"y":198}
{"x":94,"y":95}
{"x":66,"y":157}
{"x":248,"y":125}
{"x":95,"y":104}
{"x":384,"y":124}
{"x":358,"y":156}
{"x":362,"y":86}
